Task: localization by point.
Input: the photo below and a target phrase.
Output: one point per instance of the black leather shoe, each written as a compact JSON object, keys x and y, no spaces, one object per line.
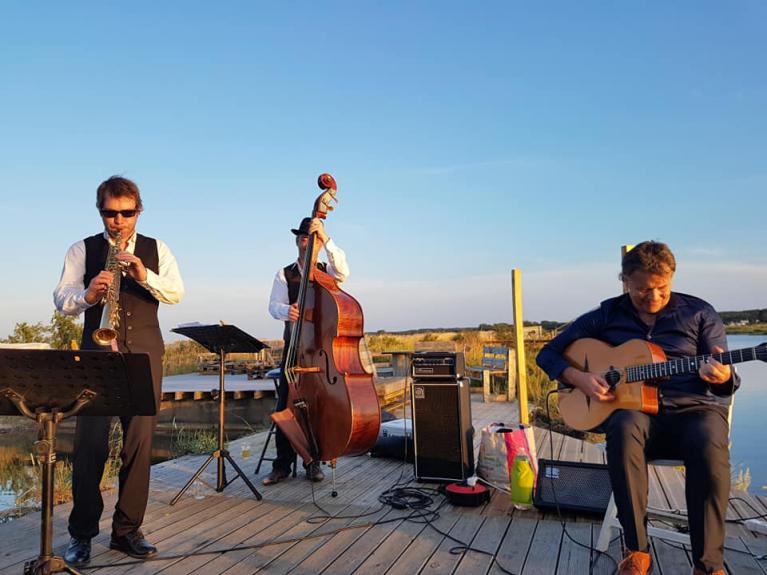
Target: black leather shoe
{"x":133,"y":544}
{"x":314,"y":473}
{"x":78,"y":552}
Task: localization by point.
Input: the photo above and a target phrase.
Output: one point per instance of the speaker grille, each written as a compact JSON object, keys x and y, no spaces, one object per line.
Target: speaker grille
{"x":572,"y":486}
{"x":443,"y":434}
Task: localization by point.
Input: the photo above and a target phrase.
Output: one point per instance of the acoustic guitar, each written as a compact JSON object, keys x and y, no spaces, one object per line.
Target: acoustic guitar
{"x":633,"y":370}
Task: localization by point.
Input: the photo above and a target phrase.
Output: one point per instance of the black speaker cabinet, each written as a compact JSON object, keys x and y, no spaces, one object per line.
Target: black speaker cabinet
{"x":572,"y":486}
{"x":442,"y":430}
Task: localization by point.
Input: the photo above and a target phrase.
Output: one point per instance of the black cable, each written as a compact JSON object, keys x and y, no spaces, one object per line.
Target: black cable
{"x":751,"y":507}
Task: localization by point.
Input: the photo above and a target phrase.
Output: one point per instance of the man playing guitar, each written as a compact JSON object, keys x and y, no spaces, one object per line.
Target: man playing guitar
{"x":692,"y":422}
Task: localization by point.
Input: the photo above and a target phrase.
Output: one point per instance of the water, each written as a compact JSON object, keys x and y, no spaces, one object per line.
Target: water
{"x":749,"y":433}
{"x":19,"y":477}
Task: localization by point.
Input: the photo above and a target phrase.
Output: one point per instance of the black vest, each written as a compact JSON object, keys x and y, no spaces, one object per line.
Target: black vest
{"x":139,"y":329}
{"x":293,"y":277}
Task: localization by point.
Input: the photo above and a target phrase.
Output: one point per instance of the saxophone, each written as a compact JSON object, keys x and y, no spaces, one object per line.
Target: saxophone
{"x":106,"y":334}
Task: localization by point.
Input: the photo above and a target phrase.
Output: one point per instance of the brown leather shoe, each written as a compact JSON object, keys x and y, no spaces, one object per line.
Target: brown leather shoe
{"x":697,"y":571}
{"x":635,"y":563}
{"x":314,"y":473}
{"x":275,"y":476}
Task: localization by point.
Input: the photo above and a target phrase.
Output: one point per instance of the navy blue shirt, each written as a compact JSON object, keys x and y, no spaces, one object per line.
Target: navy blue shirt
{"x":687,"y":326}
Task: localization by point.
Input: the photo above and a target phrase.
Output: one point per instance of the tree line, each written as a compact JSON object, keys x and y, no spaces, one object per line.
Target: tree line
{"x":60,"y":332}
{"x":749,"y":316}
{"x":63,"y":329}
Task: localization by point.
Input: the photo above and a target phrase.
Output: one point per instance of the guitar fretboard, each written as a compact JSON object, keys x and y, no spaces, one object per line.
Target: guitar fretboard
{"x":686,"y":365}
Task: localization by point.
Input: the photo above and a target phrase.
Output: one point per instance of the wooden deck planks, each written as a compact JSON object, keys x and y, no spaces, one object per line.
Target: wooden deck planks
{"x":332,"y":546}
{"x":543,"y":556}
{"x":739,"y":558}
{"x":355,"y":555}
{"x":419,"y":551}
{"x":514,"y":548}
{"x":443,"y":560}
{"x":670,"y":558}
{"x":486,"y":542}
{"x":524,"y":542}
{"x":575,"y":553}
{"x":607,"y":562}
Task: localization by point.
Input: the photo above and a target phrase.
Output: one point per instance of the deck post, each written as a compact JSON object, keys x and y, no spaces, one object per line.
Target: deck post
{"x":519,"y":345}
{"x":624,"y":250}
{"x":486,"y":388}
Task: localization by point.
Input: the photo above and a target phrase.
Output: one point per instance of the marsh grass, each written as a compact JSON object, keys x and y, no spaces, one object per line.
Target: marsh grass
{"x":192,"y":441}
{"x":20,"y":474}
{"x":740,"y":477}
{"x":750,"y":329}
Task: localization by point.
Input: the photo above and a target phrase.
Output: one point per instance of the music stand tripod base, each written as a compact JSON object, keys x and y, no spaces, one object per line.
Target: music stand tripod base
{"x":45,"y":449}
{"x":47,"y":386}
{"x":220,"y":339}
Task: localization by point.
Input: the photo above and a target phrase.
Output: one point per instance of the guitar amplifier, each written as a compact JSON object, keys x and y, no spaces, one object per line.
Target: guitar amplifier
{"x":572,"y":486}
{"x":443,"y":434}
{"x":437,"y":365}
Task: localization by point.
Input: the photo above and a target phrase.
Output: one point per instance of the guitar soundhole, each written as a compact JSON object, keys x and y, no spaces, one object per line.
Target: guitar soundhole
{"x":612,"y":377}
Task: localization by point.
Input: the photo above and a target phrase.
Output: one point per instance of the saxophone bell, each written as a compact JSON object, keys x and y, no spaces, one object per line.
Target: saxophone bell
{"x":105,"y":334}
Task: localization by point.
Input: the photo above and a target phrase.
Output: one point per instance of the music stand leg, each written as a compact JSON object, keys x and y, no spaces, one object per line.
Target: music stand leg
{"x":221,"y":481}
{"x":193,"y":479}
{"x":231,"y":461}
{"x":46,"y":562}
{"x":221,"y":454}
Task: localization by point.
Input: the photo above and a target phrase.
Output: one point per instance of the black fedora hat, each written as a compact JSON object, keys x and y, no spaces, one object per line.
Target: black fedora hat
{"x":303,"y":228}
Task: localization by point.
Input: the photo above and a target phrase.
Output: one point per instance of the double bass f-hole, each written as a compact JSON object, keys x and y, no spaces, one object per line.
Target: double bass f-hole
{"x":328,"y":380}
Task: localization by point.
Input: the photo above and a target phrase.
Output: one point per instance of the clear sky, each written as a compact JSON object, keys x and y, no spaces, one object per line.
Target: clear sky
{"x":467,"y":139}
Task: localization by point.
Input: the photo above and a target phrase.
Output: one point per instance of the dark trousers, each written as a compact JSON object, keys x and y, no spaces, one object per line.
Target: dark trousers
{"x":697,"y":436}
{"x":91,"y":450}
{"x":286,"y":455}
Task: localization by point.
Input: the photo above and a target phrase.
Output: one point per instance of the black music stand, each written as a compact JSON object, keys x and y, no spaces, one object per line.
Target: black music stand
{"x":220,"y":339}
{"x":51,"y":385}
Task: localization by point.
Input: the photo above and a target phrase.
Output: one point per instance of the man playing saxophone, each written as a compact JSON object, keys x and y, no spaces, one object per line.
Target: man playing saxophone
{"x":150,"y":275}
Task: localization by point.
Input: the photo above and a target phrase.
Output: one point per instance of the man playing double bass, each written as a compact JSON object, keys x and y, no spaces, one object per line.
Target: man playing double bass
{"x":283,"y":307}
{"x":692,"y":423}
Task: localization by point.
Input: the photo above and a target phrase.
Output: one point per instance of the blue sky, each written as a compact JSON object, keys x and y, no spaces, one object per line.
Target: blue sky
{"x":466,"y":138}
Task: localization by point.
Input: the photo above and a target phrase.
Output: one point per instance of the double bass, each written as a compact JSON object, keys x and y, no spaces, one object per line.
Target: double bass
{"x":332,"y":405}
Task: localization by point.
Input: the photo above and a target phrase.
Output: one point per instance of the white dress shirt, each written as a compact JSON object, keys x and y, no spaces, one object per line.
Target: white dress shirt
{"x":279,"y":307}
{"x":69,"y":296}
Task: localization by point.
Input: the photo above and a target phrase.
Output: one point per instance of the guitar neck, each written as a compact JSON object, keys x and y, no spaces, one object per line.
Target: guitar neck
{"x":687,"y":365}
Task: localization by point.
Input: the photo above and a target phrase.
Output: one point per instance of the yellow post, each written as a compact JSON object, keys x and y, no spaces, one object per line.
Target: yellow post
{"x":624,"y":250}
{"x":519,"y":345}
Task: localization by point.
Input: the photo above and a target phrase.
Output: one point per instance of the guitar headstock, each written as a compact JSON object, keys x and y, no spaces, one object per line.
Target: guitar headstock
{"x":322,"y":206}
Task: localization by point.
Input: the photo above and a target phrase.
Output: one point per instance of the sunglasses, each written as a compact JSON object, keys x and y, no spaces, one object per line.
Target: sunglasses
{"x":113,"y":213}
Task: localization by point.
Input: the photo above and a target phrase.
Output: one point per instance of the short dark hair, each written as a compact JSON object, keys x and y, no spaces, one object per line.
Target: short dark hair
{"x":651,"y":257}
{"x":118,"y":187}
